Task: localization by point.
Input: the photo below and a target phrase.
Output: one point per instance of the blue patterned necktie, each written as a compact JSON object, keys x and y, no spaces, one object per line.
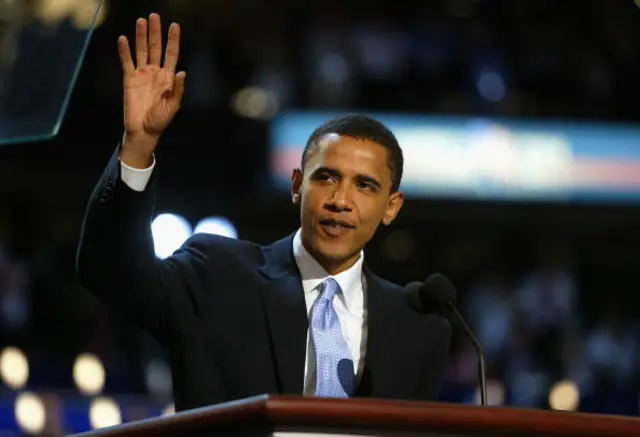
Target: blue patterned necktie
{"x":334,"y":366}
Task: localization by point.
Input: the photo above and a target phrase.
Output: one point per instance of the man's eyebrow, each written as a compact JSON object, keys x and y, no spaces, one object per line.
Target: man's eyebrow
{"x":328,"y":170}
{"x":369,"y":179}
{"x":336,"y":173}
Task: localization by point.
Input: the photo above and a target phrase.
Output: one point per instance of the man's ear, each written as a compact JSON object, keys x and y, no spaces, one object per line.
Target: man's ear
{"x":296,"y":186}
{"x":396,"y":200}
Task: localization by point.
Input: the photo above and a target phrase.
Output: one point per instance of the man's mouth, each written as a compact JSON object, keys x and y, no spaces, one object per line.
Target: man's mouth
{"x":336,"y":224}
{"x":336,"y":228}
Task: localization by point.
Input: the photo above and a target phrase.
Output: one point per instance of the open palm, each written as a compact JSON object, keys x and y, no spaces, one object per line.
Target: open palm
{"x":152,"y":92}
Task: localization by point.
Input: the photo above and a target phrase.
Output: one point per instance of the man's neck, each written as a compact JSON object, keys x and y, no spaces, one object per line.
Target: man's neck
{"x":338,"y":267}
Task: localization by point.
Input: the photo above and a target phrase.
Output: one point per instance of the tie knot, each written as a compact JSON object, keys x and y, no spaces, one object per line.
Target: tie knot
{"x":330,"y":288}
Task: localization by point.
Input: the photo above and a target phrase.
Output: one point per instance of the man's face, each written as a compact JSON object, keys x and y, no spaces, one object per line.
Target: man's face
{"x":344,"y":192}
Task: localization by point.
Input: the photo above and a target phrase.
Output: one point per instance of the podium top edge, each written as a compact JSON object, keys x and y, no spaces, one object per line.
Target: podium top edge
{"x":269,"y":412}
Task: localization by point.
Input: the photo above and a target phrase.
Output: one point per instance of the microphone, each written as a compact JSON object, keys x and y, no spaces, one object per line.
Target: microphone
{"x":434,"y":295}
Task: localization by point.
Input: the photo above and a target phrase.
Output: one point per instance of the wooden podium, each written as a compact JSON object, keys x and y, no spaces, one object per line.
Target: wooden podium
{"x":291,"y":416}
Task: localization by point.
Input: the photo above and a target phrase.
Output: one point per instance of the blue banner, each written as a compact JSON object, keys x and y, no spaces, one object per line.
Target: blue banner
{"x":494,"y":159}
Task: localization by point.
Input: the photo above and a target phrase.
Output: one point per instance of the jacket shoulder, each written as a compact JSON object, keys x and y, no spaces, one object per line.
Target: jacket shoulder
{"x":215,"y":246}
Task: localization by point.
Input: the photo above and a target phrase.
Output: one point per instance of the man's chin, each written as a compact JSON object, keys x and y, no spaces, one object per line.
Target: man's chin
{"x":333,"y":247}
{"x":327,"y":250}
{"x":334,"y":252}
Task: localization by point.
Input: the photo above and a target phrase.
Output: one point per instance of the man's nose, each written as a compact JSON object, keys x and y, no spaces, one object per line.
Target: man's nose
{"x":341,"y":199}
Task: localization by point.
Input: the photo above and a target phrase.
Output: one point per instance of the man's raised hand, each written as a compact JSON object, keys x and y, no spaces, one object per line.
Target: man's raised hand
{"x":152,"y":89}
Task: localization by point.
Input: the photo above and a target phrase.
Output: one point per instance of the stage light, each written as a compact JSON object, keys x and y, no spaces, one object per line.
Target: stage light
{"x":158,"y":378}
{"x":30,"y":413}
{"x":334,"y":68}
{"x":169,"y":232}
{"x":564,"y":396}
{"x":14,"y":368}
{"x":491,"y":85}
{"x":84,"y":14}
{"x":54,"y":11}
{"x":216,"y":226}
{"x":169,"y":410}
{"x":254,"y":102}
{"x":89,"y":374}
{"x":104,"y":412}
{"x":81,"y":12}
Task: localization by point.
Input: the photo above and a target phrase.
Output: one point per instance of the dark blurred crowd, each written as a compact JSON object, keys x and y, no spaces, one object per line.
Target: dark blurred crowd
{"x":536,"y":333}
{"x":525,"y":58}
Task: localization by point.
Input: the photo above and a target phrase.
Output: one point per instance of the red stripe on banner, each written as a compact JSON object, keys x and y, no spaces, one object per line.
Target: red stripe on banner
{"x":600,"y":172}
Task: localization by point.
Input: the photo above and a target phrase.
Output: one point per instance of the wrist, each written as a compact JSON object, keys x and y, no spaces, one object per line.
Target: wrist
{"x":137,"y":150}
{"x":136,"y":160}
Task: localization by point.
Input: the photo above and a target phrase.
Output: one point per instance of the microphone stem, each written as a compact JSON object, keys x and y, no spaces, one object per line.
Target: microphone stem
{"x":483,"y":381}
{"x":481,"y":367}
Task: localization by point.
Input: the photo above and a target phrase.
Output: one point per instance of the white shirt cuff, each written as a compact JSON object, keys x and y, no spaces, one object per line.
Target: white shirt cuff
{"x":136,"y":178}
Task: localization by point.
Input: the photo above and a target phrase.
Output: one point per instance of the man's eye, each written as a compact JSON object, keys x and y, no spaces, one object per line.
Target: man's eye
{"x":367,"y":186}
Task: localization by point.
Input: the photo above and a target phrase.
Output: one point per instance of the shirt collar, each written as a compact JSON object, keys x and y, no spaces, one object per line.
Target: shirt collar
{"x":313,"y":274}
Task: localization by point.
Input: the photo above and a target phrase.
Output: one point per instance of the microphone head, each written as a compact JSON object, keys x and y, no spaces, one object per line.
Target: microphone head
{"x":438,"y":290}
{"x":412,"y":296}
{"x":431,"y":296}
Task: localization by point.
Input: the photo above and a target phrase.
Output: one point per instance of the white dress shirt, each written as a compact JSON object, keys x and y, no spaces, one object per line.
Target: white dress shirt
{"x":136,"y":178}
{"x":349,"y":305}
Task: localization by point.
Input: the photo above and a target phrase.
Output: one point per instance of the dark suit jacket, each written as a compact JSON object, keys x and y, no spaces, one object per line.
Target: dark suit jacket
{"x":231,"y":314}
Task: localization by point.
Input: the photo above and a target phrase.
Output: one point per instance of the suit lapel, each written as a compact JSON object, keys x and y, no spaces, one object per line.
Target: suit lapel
{"x":286,"y":315}
{"x":392,"y":360}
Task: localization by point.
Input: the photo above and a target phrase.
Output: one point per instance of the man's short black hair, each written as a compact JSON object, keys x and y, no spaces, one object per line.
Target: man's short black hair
{"x":362,"y":127}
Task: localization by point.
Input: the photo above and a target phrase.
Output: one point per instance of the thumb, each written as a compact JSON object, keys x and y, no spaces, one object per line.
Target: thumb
{"x":178,"y":88}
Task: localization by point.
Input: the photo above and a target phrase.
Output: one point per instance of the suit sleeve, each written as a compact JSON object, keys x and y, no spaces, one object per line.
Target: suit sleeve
{"x":116,"y":260}
{"x":437,"y":362}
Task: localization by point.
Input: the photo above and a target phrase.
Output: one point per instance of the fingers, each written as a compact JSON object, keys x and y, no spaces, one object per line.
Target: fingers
{"x":173,"y":48}
{"x":155,"y":40}
{"x":142,"y":49}
{"x":149,"y":44}
{"x":125,"y":56}
{"x":178,"y":89}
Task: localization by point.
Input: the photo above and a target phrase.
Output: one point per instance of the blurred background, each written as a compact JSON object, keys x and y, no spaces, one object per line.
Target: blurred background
{"x":521,"y":131}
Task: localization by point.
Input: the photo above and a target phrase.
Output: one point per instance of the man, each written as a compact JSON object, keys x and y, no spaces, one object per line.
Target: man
{"x":300,"y":316}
